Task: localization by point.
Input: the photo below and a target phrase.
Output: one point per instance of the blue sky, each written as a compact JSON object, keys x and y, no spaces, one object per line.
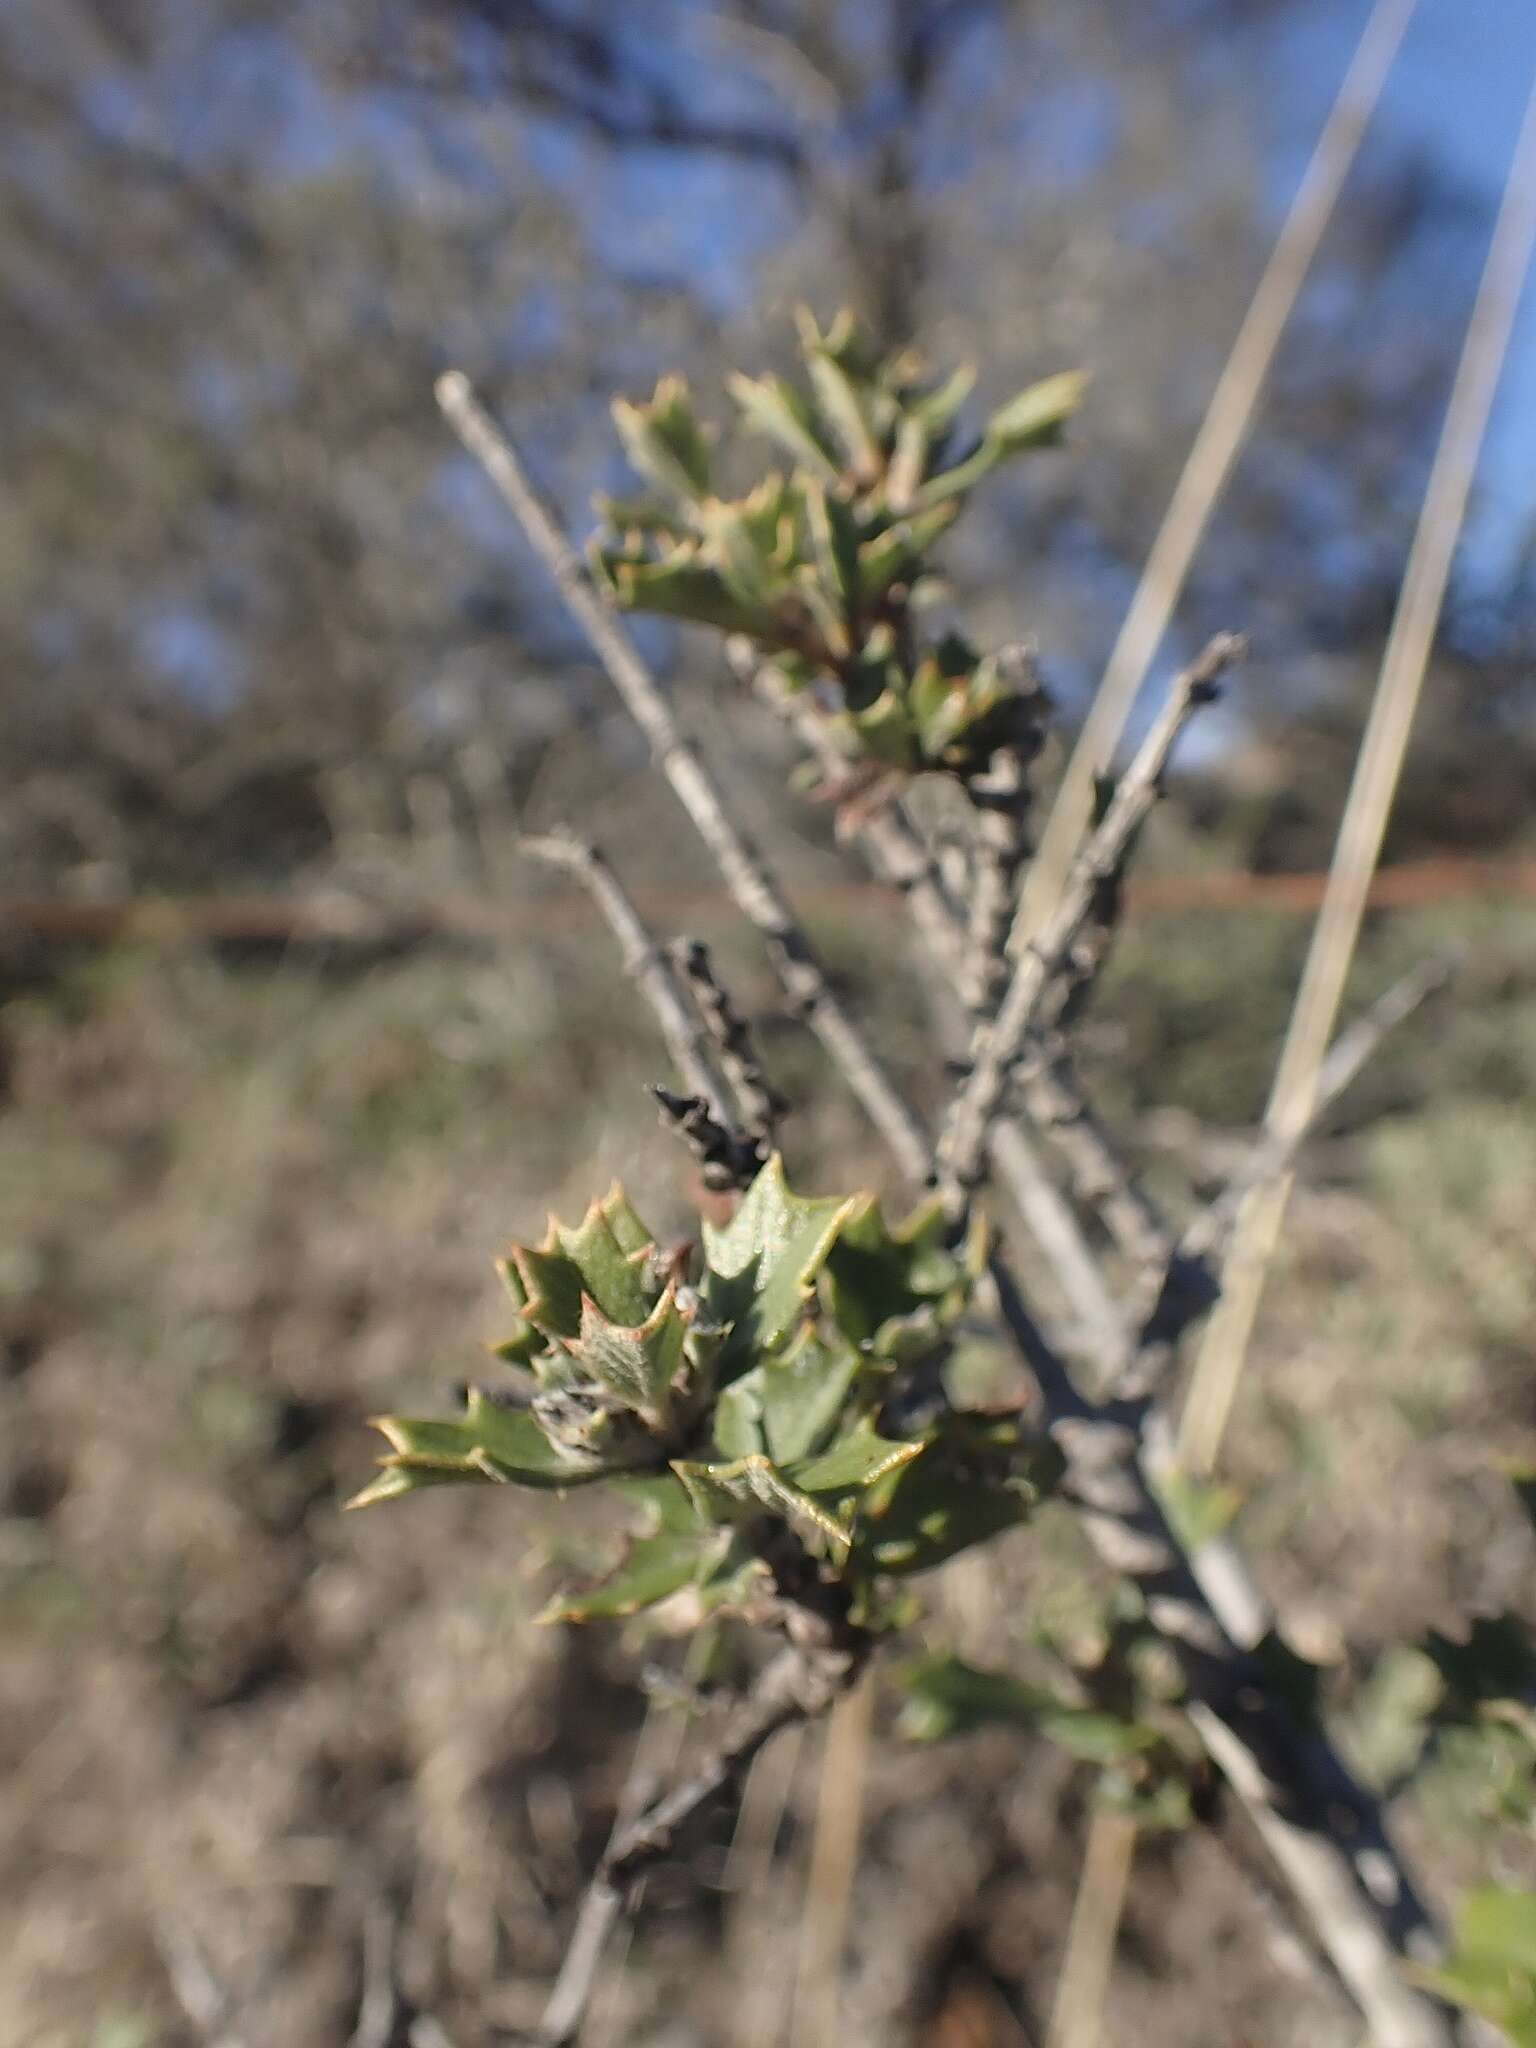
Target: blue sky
{"x":1457,"y":94}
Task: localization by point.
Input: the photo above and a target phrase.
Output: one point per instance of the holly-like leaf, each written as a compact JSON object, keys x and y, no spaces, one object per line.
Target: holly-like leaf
{"x":673,"y":1550}
{"x":612,"y":1273}
{"x":935,"y":1512}
{"x":637,"y":1364}
{"x":760,"y":1266}
{"x":663,"y":440}
{"x":978,"y":1476}
{"x":744,"y":1486}
{"x":776,"y":409}
{"x":1038,"y":414}
{"x":896,"y":553}
{"x":846,"y":410}
{"x":896,"y":1289}
{"x":788,"y":1406}
{"x":488,"y":1443}
{"x":684,"y":586}
{"x":803,"y":1390}
{"x":855,"y":1461}
{"x":552,"y":1285}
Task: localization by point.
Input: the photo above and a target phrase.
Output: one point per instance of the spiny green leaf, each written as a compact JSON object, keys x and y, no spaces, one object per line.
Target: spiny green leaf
{"x":487,"y":1443}
{"x":724,"y":1492}
{"x":896,"y":553}
{"x":663,"y":440}
{"x":789,"y":1405}
{"x":846,"y":412}
{"x":760,"y":1265}
{"x":803,"y":1389}
{"x":885,"y":1284}
{"x":776,"y":409}
{"x":610,"y":1276}
{"x":1038,"y":413}
{"x":635,"y":1363}
{"x":394,"y":1481}
{"x":834,"y":536}
{"x":685,"y":587}
{"x":648,"y":517}
{"x":856,"y":1460}
{"x":552,"y":1286}
{"x":978,"y":1476}
{"x":673,"y":1550}
{"x":630,"y":1233}
{"x":933,"y":1513}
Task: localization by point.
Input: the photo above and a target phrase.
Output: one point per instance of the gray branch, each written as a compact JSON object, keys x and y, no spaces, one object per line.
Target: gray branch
{"x":1048,"y":957}
{"x":703,"y":1118}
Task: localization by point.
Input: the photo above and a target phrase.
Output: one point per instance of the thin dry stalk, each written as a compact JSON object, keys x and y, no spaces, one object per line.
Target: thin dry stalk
{"x":1215,"y":448}
{"x":754,"y":1905}
{"x":1078,"y":2018}
{"x":1404,"y":663}
{"x":834,"y":1861}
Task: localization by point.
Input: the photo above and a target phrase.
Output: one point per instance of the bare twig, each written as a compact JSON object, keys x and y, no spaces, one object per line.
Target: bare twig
{"x":703,"y":1119}
{"x":744,"y":872}
{"x":686,"y":1039}
{"x":1049,"y":957}
{"x":1001,"y":801}
{"x":760,"y":1103}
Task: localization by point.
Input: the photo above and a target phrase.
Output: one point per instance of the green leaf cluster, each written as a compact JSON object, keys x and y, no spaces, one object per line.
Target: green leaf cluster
{"x":820,"y":562}
{"x":732,"y":1387}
